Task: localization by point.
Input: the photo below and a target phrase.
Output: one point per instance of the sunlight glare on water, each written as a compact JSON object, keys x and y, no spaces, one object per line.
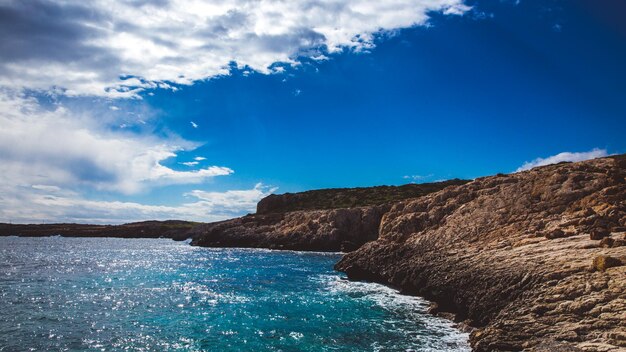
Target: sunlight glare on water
{"x":117,"y":294}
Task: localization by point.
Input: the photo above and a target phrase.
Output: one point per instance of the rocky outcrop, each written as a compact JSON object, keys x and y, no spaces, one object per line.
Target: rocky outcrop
{"x":174,"y":229}
{"x":339,"y":219}
{"x":522,"y":258}
{"x":316,"y":230}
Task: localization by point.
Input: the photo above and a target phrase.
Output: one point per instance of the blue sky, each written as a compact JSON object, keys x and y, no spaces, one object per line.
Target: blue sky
{"x":129,"y":123}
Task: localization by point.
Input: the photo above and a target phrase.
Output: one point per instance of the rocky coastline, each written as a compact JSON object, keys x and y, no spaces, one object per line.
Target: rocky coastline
{"x":531,"y":261}
{"x":312,"y":230}
{"x":340,"y":219}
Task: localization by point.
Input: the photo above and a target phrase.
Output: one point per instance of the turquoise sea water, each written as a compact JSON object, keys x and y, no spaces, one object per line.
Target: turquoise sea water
{"x":71,"y":294}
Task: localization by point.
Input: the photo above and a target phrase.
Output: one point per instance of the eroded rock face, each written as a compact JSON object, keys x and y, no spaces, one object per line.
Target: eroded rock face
{"x":338,"y":219}
{"x":317,"y":230}
{"x":514,"y":256}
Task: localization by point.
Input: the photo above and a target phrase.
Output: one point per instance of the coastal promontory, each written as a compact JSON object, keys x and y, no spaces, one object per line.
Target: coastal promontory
{"x":340,"y":219}
{"x":530,"y":261}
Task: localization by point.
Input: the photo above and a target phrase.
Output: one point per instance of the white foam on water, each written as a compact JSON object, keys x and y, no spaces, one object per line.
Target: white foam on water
{"x":413,"y":308}
{"x":267,"y":250}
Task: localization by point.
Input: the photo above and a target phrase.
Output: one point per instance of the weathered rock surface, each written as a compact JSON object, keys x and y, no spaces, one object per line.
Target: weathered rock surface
{"x":516,"y":256}
{"x":316,"y":230}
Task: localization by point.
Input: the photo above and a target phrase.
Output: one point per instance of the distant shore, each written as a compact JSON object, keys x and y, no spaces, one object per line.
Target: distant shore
{"x":174,"y":229}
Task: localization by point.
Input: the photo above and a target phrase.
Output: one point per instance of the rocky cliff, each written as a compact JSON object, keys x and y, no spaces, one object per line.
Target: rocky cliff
{"x":314,"y":230}
{"x":322,"y":220}
{"x":533,"y":260}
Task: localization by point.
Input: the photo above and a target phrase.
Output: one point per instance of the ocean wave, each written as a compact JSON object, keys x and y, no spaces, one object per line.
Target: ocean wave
{"x":407,"y":309}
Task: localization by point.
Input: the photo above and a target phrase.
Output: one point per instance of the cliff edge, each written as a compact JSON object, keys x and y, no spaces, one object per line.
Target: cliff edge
{"x":533,"y":260}
{"x":337,"y":198}
{"x":340,"y":219}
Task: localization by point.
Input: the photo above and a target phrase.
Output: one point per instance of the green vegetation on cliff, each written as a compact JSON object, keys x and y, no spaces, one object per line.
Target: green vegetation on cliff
{"x":335,"y":198}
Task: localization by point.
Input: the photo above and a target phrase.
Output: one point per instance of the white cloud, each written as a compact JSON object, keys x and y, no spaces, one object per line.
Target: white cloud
{"x":190,"y":163}
{"x":199,"y":158}
{"x":457,"y":9}
{"x":116,"y":49}
{"x":278,"y":69}
{"x":233,"y":200}
{"x":417,"y":178}
{"x":50,"y":155}
{"x":56,"y":148}
{"x":565,"y":156}
{"x":61,"y":206}
{"x":47,"y":188}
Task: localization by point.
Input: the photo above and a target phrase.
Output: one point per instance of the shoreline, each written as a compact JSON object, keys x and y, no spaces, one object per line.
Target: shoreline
{"x":174,"y":229}
{"x":534,"y":260}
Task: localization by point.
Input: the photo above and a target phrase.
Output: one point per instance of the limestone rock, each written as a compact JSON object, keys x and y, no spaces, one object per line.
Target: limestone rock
{"x":318,"y":230}
{"x":474,"y":250}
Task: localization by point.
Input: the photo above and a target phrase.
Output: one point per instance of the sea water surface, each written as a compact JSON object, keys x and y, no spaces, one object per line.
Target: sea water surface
{"x":104,"y":294}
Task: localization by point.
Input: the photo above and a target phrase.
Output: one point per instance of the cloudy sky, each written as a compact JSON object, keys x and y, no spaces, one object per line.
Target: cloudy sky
{"x":121,"y":111}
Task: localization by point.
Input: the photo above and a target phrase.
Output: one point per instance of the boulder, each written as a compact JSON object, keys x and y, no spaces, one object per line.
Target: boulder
{"x":603,"y":262}
{"x":557,"y":233}
{"x":599,"y":233}
{"x":607,"y":242}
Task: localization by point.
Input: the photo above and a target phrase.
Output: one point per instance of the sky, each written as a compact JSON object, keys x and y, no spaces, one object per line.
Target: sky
{"x":112,"y":112}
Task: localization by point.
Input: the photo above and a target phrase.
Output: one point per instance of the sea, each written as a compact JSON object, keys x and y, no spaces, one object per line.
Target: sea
{"x":106,"y":294}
